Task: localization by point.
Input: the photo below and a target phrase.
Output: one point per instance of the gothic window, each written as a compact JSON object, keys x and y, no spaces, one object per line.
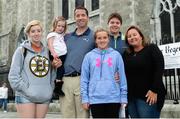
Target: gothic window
{"x":170,"y":24}
{"x":95,"y":5}
{"x":177,"y":24}
{"x":68,"y":7}
{"x":79,"y":3}
{"x":65,"y":9}
{"x":165,"y":28}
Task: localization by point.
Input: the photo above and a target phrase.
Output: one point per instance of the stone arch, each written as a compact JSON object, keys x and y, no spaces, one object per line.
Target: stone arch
{"x":21,"y":37}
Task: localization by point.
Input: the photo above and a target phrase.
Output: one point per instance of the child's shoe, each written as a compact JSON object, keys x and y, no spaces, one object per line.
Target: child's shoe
{"x":58,"y":88}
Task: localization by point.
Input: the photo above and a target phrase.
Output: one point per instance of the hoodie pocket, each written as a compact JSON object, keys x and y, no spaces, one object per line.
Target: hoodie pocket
{"x":104,"y":88}
{"x":24,"y":85}
{"x":39,"y":93}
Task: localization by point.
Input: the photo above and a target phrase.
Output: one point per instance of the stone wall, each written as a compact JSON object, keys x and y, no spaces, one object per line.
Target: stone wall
{"x":123,"y":7}
{"x":133,"y":12}
{"x":6,"y":10}
{"x":15,"y":14}
{"x":0,"y":16}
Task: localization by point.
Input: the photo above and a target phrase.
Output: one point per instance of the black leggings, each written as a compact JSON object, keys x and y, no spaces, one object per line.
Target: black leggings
{"x":60,"y":70}
{"x":109,"y":110}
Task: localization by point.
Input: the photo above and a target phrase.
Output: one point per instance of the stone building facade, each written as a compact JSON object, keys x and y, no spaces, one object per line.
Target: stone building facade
{"x":147,"y":14}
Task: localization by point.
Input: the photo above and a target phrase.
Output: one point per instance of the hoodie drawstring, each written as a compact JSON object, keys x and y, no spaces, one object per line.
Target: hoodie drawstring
{"x":103,"y":52}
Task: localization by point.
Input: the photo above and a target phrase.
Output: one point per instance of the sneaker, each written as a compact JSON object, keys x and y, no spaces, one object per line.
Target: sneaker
{"x":5,"y":111}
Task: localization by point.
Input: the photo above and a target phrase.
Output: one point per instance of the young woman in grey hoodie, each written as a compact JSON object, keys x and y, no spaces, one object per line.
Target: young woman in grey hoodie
{"x":31,"y":75}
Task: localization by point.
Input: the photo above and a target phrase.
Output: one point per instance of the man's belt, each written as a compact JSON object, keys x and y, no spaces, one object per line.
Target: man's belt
{"x":74,"y":74}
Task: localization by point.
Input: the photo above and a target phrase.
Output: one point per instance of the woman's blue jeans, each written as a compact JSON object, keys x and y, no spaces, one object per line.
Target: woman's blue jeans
{"x":138,"y":108}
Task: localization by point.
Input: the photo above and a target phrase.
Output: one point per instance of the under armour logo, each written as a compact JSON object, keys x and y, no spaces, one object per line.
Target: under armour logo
{"x":108,"y":61}
{"x":98,"y":62}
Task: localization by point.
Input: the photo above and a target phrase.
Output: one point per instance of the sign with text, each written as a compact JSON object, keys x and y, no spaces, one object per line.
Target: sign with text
{"x":171,"y":53}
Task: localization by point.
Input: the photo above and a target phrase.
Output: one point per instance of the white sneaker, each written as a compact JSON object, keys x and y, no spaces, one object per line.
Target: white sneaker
{"x":5,"y":111}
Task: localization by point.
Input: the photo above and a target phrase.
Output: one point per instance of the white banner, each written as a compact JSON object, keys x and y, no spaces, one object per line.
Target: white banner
{"x":171,"y":53}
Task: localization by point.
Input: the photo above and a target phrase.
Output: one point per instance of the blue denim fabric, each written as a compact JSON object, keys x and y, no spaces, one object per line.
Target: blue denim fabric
{"x":138,"y":108}
{"x":23,"y":100}
{"x":4,"y":103}
{"x":0,"y":103}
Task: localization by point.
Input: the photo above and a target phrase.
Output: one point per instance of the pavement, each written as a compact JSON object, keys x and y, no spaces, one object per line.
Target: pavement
{"x":6,"y":115}
{"x":169,"y":110}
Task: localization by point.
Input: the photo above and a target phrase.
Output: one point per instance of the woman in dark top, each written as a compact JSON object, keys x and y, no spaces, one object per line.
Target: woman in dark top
{"x":144,"y":66}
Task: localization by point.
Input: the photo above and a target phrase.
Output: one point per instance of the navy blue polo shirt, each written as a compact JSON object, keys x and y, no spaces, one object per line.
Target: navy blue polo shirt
{"x":77,"y":47}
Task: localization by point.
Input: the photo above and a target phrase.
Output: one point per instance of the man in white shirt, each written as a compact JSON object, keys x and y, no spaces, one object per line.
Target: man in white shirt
{"x":4,"y":96}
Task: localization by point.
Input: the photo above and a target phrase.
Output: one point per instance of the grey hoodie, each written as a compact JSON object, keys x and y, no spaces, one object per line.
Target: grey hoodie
{"x":31,"y":76}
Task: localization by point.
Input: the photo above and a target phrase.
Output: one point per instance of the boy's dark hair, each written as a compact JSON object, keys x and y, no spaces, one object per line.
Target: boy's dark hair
{"x":82,"y":8}
{"x":115,"y":15}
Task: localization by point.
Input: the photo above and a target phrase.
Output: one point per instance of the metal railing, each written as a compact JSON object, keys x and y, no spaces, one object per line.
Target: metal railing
{"x":172,"y":84}
{"x":171,"y":77}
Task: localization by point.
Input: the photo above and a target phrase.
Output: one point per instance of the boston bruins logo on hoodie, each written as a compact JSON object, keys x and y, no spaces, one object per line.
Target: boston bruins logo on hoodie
{"x":39,"y":66}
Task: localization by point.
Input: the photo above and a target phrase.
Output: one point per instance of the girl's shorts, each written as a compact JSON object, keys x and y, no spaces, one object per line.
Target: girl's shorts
{"x":23,"y":100}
